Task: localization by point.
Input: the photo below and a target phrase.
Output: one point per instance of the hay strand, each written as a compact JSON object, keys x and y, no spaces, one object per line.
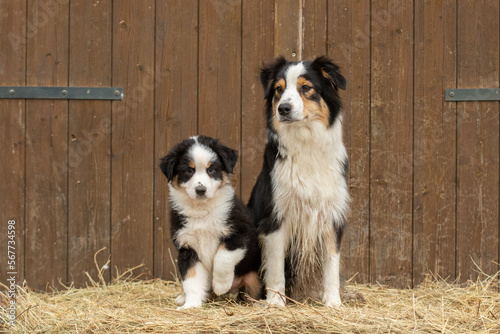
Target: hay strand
{"x":130,"y":305}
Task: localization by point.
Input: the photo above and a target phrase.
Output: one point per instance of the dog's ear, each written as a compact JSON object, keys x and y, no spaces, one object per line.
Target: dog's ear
{"x":330,"y":71}
{"x":268,"y":72}
{"x":168,"y":163}
{"x":227,"y":155}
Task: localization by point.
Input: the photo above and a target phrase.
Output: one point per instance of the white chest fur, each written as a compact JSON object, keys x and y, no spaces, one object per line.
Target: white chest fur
{"x":310,"y":192}
{"x":205,"y":222}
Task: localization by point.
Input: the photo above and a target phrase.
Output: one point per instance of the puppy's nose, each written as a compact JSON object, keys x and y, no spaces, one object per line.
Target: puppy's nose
{"x":200,"y":190}
{"x":284,"y":109}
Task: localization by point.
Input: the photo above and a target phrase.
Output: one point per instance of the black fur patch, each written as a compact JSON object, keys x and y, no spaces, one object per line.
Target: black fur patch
{"x":326,"y":79}
{"x":243,"y":232}
{"x":186,"y":259}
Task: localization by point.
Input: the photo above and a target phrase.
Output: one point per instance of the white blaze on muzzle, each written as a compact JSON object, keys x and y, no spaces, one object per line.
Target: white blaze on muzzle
{"x":201,"y":185}
{"x":291,"y":105}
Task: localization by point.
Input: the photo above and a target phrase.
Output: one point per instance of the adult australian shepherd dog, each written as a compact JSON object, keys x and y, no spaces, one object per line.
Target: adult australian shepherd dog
{"x":300,"y":201}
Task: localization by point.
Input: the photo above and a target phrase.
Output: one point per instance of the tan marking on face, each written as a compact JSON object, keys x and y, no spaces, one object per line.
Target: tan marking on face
{"x":276,"y":100}
{"x":301,"y":81}
{"x":225,"y":179}
{"x":275,"y":121}
{"x":191,"y":273}
{"x":281,"y":83}
{"x":192,"y":165}
{"x":312,"y":110}
{"x":175,"y":182}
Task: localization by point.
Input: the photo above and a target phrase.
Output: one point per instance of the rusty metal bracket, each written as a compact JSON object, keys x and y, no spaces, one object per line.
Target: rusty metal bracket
{"x":62,"y":93}
{"x":472,"y":94}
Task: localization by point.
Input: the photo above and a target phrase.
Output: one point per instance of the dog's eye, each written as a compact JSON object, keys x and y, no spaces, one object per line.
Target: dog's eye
{"x":211,"y":170}
{"x":279,"y":89}
{"x":306,"y":88}
{"x":189,"y":171}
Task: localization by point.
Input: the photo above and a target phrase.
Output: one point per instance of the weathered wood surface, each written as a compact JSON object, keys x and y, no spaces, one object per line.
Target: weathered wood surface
{"x":78,"y":176}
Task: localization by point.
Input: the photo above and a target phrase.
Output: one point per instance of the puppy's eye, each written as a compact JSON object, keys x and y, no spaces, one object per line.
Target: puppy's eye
{"x":306,"y":88}
{"x":189,"y":171}
{"x":211,"y":170}
{"x":279,"y":90}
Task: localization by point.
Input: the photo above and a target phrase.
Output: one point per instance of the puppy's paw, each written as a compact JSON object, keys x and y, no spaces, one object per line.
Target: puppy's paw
{"x":221,"y":285}
{"x":190,"y":304}
{"x":180,"y":300}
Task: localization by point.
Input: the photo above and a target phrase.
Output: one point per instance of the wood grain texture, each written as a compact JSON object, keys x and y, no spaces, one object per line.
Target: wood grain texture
{"x":288,"y":23}
{"x":46,"y":147}
{"x":219,"y":74}
{"x":349,"y":47}
{"x":478,"y":140}
{"x":314,"y":28}
{"x":89,"y":177}
{"x":391,"y":142}
{"x":133,"y":160}
{"x":434,"y":140}
{"x":80,"y":175}
{"x":257,"y":49}
{"x":12,"y":124}
{"x":176,"y":109}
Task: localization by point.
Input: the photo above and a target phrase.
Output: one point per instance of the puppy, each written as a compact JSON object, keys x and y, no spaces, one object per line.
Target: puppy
{"x":210,"y":227}
{"x":300,"y":200}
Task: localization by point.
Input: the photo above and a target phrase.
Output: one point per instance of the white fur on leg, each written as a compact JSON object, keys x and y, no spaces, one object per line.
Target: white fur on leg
{"x":274,"y":245}
{"x":223,"y":273}
{"x":195,"y":287}
{"x":331,"y":297}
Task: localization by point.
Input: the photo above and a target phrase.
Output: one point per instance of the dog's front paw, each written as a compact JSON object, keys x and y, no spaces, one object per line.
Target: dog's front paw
{"x":275,"y":299}
{"x":221,"y":285}
{"x":180,"y":300}
{"x":190,"y":304}
{"x":332,"y":301}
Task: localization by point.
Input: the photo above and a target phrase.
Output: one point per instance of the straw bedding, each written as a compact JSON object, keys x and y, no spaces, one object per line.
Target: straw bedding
{"x":147,"y":306}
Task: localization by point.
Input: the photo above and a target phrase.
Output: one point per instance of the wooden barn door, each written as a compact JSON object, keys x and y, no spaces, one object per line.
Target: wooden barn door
{"x":78,"y":177}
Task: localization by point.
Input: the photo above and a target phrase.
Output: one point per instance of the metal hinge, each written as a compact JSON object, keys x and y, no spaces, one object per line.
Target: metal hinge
{"x":472,"y":94}
{"x":62,"y":93}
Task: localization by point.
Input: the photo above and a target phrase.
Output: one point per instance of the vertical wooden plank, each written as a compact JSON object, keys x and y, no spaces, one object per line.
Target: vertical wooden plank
{"x":478,"y":140}
{"x":314,"y":28}
{"x":219,"y":100}
{"x":288,"y":29}
{"x":12,"y":118}
{"x":349,"y":46}
{"x":434,"y":140}
{"x":257,"y":48}
{"x":176,"y":108}
{"x":46,"y":146}
{"x":132,"y":137}
{"x":89,"y":141}
{"x":391,"y":142}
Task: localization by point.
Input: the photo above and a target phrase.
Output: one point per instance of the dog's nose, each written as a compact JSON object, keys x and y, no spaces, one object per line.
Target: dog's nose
{"x":284,"y":109}
{"x":200,"y":190}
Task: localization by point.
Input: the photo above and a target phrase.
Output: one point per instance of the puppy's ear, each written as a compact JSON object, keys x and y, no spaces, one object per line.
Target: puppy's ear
{"x":228,"y":156}
{"x":330,"y":71}
{"x":269,"y":71}
{"x":167,"y":165}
